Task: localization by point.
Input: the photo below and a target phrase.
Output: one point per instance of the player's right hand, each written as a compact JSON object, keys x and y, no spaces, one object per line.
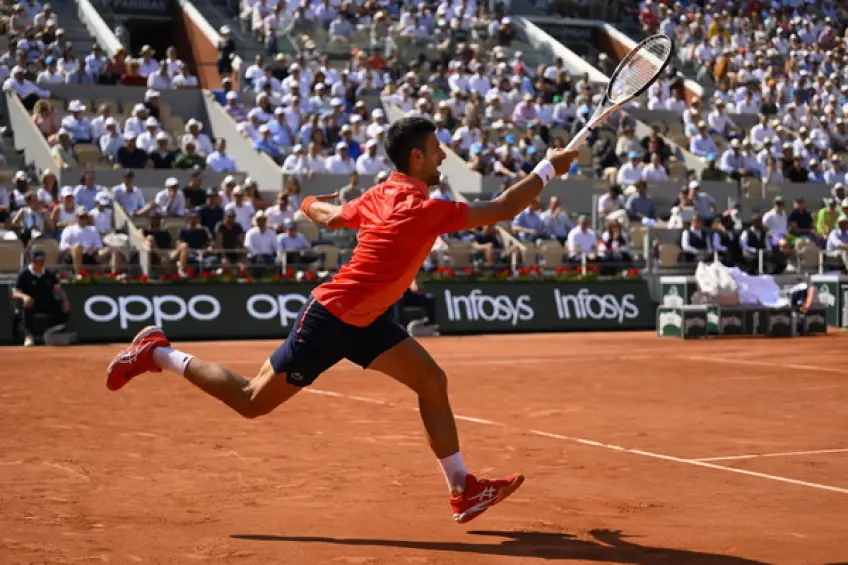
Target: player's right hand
{"x":561,"y":160}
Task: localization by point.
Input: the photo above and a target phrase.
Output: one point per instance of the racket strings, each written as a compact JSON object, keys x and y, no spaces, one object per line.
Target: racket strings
{"x":640,"y":68}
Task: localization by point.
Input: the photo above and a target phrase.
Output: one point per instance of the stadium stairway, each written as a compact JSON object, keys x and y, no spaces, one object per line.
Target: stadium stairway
{"x":218,"y":13}
{"x":75,"y":29}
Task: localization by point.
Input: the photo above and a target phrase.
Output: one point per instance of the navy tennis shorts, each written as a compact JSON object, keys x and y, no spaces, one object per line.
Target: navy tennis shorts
{"x":319,"y":340}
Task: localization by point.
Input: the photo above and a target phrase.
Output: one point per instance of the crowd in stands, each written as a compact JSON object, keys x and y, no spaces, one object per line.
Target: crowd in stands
{"x":184,"y":227}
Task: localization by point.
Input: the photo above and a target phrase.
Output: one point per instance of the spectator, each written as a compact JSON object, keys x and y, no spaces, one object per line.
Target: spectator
{"x":87,"y":191}
{"x":162,"y":156}
{"x":64,"y":214}
{"x":194,"y":193}
{"x":242,"y":207}
{"x":32,"y":220}
{"x":280,"y":212}
{"x":211,"y":213}
{"x":556,"y":221}
{"x":776,"y":222}
{"x":640,"y":207}
{"x":630,"y":172}
{"x":294,"y":246}
{"x":189,"y":158}
{"x":801,"y":223}
{"x":230,"y":240}
{"x":158,"y":242}
{"x":351,"y":190}
{"x":528,"y":224}
{"x":80,"y":244}
{"x":261,"y":242}
{"x":131,"y":157}
{"x":711,"y":172}
{"x":170,"y":202}
{"x":614,"y":248}
{"x":837,"y":241}
{"x":612,"y":201}
{"x":101,"y":215}
{"x":63,"y":152}
{"x":341,"y":163}
{"x":194,"y":244}
{"x":755,"y":242}
{"x":582,"y":242}
{"x":654,"y":171}
{"x":219,"y":161}
{"x":111,"y":140}
{"x":129,"y":196}
{"x":726,"y":243}
{"x":826,"y":217}
{"x":39,"y":293}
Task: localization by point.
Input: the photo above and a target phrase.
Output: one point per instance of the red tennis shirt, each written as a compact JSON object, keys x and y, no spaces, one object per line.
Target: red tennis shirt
{"x":398,"y":225}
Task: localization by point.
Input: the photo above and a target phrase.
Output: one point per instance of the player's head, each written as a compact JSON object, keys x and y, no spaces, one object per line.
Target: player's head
{"x":412,"y":146}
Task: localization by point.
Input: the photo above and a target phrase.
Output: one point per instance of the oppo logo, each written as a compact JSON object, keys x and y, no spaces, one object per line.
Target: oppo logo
{"x":137,"y":309}
{"x":477,"y":306}
{"x":284,"y":307}
{"x":585,"y":304}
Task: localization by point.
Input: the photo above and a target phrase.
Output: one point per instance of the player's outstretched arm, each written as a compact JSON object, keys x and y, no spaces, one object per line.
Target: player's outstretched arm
{"x":517,"y":197}
{"x":320,"y":211}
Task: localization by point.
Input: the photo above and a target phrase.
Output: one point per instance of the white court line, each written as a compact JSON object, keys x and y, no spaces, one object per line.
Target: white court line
{"x":732,"y":361}
{"x":782,"y":454}
{"x":619,"y":448}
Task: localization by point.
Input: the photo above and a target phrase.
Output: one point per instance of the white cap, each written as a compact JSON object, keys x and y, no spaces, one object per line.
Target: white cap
{"x":172,"y":181}
{"x":151,"y":122}
{"x":371,"y":143}
{"x":194,"y":122}
{"x":103,"y":198}
{"x":110,"y":122}
{"x":224,"y":30}
{"x":378,"y":113}
{"x":231,"y":95}
{"x":264,"y":129}
{"x":336,"y":102}
{"x":139,"y":108}
{"x":18,"y":69}
{"x":320,"y":86}
{"x":694,"y":184}
{"x":279,"y":111}
{"x":341,"y":145}
{"x":249,"y":182}
{"x":229,"y":179}
{"x":130,"y":135}
{"x":76,"y":106}
{"x":238,"y":190}
{"x":66,"y":191}
{"x":259,"y":215}
{"x":163,"y":136}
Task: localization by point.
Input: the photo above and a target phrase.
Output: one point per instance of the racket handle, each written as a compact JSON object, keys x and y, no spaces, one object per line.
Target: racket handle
{"x":578,"y":139}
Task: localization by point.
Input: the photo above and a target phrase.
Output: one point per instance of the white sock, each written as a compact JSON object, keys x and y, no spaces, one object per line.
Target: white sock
{"x":455,"y":472}
{"x":169,"y":359}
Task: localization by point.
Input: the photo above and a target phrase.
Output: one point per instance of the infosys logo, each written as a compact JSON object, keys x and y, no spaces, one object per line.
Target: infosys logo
{"x":584,"y":304}
{"x":477,"y":306}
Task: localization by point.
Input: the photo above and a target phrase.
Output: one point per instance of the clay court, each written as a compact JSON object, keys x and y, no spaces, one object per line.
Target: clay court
{"x":636,"y":449}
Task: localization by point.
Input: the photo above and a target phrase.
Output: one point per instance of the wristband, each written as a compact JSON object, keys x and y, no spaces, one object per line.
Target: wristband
{"x":304,"y":206}
{"x":545,"y":171}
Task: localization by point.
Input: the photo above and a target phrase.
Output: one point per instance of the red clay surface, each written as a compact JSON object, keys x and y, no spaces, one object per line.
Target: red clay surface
{"x":159,"y":473}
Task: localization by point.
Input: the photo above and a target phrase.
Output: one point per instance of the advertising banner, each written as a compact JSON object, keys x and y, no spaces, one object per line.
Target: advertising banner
{"x":543,"y":306}
{"x":256,"y":311}
{"x":191,"y":311}
{"x":141,"y":8}
{"x":7,"y":319}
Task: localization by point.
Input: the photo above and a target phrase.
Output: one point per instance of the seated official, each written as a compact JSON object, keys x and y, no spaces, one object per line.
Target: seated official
{"x":297,"y":250}
{"x":39,"y":293}
{"x":695,"y":243}
{"x":755,"y":241}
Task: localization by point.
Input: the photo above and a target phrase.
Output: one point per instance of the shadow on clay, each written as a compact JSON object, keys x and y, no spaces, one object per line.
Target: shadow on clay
{"x":607,"y":546}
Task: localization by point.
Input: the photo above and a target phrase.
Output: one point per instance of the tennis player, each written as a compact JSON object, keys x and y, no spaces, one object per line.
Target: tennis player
{"x":350,"y":316}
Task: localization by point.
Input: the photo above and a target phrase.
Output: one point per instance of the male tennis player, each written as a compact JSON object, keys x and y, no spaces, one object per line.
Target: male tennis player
{"x":350,"y":318}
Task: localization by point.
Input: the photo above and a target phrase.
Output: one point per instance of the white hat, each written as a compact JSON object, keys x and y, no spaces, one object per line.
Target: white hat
{"x":229,"y":179}
{"x":341,"y":145}
{"x":320,"y":86}
{"x":163,"y":136}
{"x":224,"y":30}
{"x":238,"y":190}
{"x":151,"y":94}
{"x":110,"y":122}
{"x":194,"y":122}
{"x":355,"y":119}
{"x":151,"y":122}
{"x":76,"y":106}
{"x":694,"y":184}
{"x":66,"y":191}
{"x":249,"y":182}
{"x":172,"y":181}
{"x":129,"y":136}
{"x":734,"y":143}
{"x":18,"y":69}
{"x":20,"y":175}
{"x":103,"y":198}
{"x":336,"y":102}
{"x":371,"y":143}
{"x":232,"y":95}
{"x":378,"y":113}
{"x":259,"y":215}
{"x":279,"y":111}
{"x":264,"y":129}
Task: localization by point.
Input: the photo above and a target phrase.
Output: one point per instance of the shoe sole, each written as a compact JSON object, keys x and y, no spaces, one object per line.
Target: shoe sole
{"x":118,"y":381}
{"x":503,"y":494}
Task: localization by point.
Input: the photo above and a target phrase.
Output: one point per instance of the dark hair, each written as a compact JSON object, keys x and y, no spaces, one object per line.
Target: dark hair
{"x":405,"y":135}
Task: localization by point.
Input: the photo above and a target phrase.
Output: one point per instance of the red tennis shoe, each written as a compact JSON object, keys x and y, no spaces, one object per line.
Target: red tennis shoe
{"x":482,"y":494}
{"x":137,"y":358}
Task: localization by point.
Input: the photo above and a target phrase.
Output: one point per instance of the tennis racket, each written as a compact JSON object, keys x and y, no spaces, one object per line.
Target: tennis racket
{"x":634,"y":74}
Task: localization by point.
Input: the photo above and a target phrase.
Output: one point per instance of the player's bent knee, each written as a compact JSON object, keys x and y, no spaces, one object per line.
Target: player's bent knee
{"x":433,"y":383}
